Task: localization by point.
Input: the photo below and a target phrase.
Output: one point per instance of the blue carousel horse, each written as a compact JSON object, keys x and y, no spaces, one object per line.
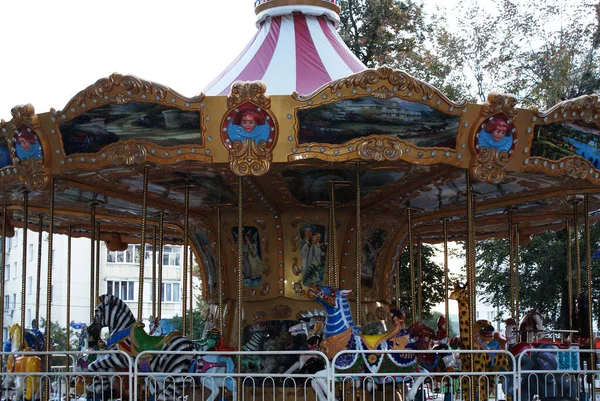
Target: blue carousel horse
{"x":340,"y":334}
{"x":129,"y":336}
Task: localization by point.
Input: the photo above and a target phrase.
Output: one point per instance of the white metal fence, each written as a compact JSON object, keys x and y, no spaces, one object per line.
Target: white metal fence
{"x":541,"y":373}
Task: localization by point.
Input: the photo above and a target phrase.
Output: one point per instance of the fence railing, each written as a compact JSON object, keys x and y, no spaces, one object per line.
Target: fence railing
{"x":540,"y":373}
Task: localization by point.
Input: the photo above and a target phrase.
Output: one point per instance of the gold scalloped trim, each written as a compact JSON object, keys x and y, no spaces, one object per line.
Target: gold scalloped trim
{"x":586,"y":108}
{"x":491,"y":166}
{"x":254,"y":92}
{"x":571,"y":166}
{"x":392,"y":83}
{"x":280,"y":312}
{"x":250,"y":158}
{"x":379,"y":148}
{"x":500,"y":103}
{"x":25,"y":114}
{"x":121,"y":89}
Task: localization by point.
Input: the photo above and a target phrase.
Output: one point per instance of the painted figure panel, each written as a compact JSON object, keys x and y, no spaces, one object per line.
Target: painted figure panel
{"x":497,"y":132}
{"x":208,"y":261}
{"x":248,"y":122}
{"x":253,"y":266}
{"x":313,"y":253}
{"x":340,"y":122}
{"x":370,"y":253}
{"x":162,"y":125}
{"x":555,"y":141}
{"x":27,"y":145}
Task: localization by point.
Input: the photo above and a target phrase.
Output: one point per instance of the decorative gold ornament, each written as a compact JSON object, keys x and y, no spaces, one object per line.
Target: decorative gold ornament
{"x":298,"y":288}
{"x":500,"y":103}
{"x":383,"y":93}
{"x":265,"y":289}
{"x":491,"y":166}
{"x":32,"y":173}
{"x":295,"y":268}
{"x":296,"y":221}
{"x":573,"y":166}
{"x":280,"y":312}
{"x":259,"y":316}
{"x":250,"y":158}
{"x":261,"y":223}
{"x":294,"y":240}
{"x":380,"y":149}
{"x":25,"y":115}
{"x":581,"y":108}
{"x":248,"y":91}
{"x":126,"y":154}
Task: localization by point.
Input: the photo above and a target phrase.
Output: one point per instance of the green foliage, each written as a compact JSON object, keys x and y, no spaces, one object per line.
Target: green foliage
{"x":431,"y":321}
{"x":543,"y":275}
{"x":432,"y":281}
{"x":199,"y":320}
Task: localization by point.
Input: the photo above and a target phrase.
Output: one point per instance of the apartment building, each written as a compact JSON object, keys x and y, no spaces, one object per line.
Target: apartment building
{"x":118,"y":272}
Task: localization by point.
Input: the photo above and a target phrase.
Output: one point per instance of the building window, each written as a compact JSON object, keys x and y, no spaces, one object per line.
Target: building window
{"x":170,"y":292}
{"x":16,"y":239}
{"x":14,"y":275}
{"x":8,"y":244}
{"x":30,"y":285}
{"x":14,"y":301}
{"x":30,"y":250}
{"x":172,"y":255}
{"x":29,"y":319}
{"x":6,"y":302}
{"x":7,"y":272}
{"x":122,"y":289}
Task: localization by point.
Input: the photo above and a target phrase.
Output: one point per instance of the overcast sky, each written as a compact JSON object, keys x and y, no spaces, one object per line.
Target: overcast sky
{"x":53,"y":49}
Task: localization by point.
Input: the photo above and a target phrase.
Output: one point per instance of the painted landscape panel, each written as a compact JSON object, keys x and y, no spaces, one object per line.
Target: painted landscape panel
{"x":555,"y":141}
{"x":162,"y":125}
{"x":340,"y":122}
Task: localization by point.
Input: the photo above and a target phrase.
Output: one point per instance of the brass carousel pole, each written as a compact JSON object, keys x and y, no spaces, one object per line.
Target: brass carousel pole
{"x":358,"y":249}
{"x":419,"y":278}
{"x":577,"y":249}
{"x":191,"y":260}
{"x":511,"y":266}
{"x":588,"y":259}
{"x":39,"y":270}
{"x":68,"y":319}
{"x":240,"y":281}
{"x":471,"y":271}
{"x":24,"y":268}
{"x":48,"y":339}
{"x":3,"y":263}
{"x":334,"y":256}
{"x":97,"y":280}
{"x":219,"y":272}
{"x":161,"y":225}
{"x":569,"y":274}
{"x":185,"y":260}
{"x":92,"y":258}
{"x":517,"y":281}
{"x":140,"y":310}
{"x":154,"y":300}
{"x":411,"y":267}
{"x":446,"y":277}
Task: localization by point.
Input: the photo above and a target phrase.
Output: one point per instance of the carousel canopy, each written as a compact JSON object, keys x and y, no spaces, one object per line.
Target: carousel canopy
{"x":296,"y":48}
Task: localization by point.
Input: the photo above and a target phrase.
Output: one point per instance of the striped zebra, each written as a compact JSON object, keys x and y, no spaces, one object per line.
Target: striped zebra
{"x":113,"y":313}
{"x":256,"y":342}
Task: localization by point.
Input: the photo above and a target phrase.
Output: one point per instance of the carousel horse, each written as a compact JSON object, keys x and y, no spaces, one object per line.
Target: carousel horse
{"x":127,"y":335}
{"x":531,"y":326}
{"x":311,"y":325}
{"x":510,"y":332}
{"x":27,"y":387}
{"x":160,"y":327}
{"x":340,"y":334}
{"x":213,"y":364}
{"x":254,"y":344}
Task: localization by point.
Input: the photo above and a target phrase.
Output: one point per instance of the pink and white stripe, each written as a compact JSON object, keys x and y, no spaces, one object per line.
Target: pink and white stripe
{"x":291,"y":52}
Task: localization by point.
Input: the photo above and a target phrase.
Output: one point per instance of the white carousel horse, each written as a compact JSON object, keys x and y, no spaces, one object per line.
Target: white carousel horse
{"x":27,"y":387}
{"x":311,"y":325}
{"x":531,"y":326}
{"x":211,"y":365}
{"x":340,"y":334}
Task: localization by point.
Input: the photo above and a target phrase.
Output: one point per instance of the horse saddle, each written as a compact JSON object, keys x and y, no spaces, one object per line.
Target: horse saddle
{"x":141,"y":341}
{"x":398,"y":339}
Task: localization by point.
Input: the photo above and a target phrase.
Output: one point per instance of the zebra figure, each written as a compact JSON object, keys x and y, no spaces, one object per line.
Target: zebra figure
{"x":256,"y":342}
{"x":113,"y":313}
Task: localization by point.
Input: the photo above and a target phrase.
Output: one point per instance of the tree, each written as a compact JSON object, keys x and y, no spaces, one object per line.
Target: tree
{"x":542,"y":274}
{"x":432,"y":281}
{"x":199,"y":319}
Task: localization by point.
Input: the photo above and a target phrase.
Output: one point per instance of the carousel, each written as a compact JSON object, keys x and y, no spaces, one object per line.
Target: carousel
{"x":295,"y":171}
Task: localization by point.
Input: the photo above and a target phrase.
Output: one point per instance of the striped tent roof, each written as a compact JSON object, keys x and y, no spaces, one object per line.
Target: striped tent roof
{"x":296,"y":48}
